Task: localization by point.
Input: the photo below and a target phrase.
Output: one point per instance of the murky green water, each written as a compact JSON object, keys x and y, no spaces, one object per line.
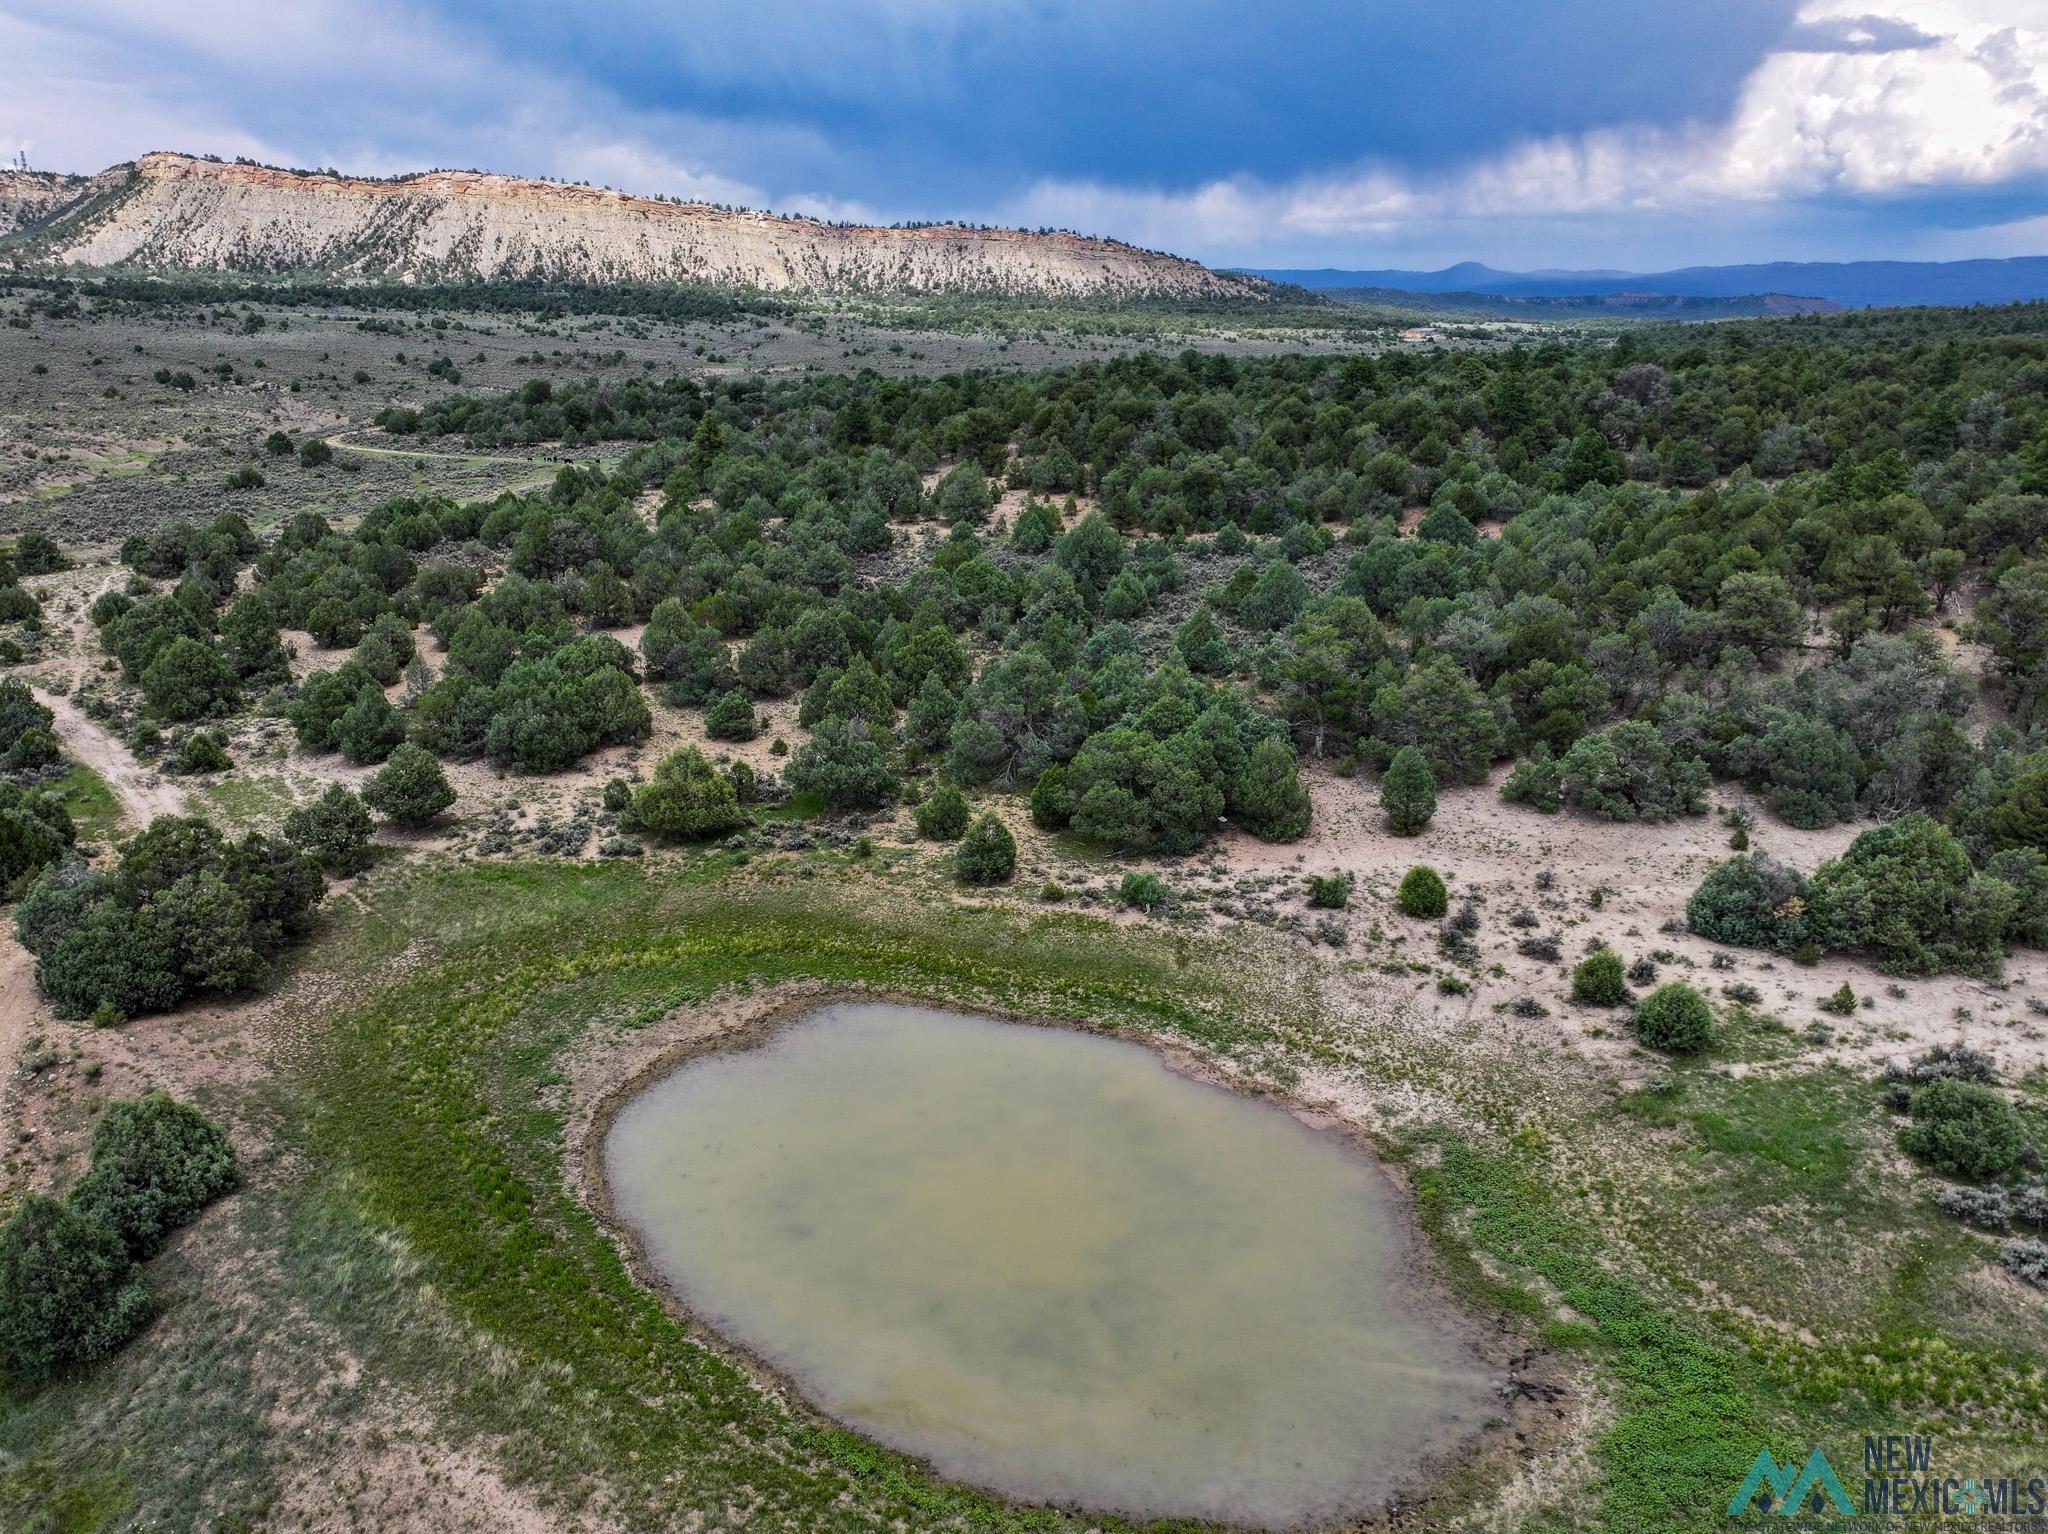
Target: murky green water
{"x":1049,"y":1264}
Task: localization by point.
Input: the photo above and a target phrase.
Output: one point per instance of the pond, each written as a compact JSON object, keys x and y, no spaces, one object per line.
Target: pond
{"x":1049,"y":1264}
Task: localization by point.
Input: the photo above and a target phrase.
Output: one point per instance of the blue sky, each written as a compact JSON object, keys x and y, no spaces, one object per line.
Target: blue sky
{"x":1605,"y":133}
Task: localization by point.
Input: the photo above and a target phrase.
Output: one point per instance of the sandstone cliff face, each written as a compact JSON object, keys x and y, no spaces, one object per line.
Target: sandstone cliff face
{"x":28,"y":197}
{"x":178,"y":211}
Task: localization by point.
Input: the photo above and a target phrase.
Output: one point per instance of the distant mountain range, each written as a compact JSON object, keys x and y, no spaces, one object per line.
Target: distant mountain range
{"x":1612,"y":306}
{"x":187,"y":212}
{"x":1851,"y":284}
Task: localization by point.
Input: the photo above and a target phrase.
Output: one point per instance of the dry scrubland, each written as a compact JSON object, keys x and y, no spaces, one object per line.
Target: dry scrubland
{"x":146,"y":454}
{"x":409,"y":1318}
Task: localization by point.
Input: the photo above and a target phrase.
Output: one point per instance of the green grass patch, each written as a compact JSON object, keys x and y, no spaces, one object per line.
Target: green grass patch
{"x":435,"y":1096}
{"x":249,"y":800}
{"x":89,"y":801}
{"x":1689,"y":1420}
{"x":67,"y":1499}
{"x":1781,"y":1137}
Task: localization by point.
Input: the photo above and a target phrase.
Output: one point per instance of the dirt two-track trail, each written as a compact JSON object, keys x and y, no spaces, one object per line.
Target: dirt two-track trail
{"x":142,"y":795}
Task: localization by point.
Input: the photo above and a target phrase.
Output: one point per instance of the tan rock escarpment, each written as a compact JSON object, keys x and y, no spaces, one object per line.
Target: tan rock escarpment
{"x":183,"y":212}
{"x":27,"y":197}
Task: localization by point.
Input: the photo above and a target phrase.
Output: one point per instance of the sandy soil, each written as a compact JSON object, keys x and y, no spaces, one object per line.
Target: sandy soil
{"x":1495,"y":851}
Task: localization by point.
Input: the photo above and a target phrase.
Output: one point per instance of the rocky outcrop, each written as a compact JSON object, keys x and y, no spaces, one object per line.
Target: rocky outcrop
{"x":178,"y":211}
{"x":29,"y":197}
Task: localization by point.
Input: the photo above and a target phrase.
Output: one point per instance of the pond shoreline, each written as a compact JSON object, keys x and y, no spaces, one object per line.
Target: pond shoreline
{"x":1530,"y":1384}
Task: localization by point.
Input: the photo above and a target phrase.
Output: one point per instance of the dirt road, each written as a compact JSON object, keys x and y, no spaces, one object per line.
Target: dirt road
{"x":143,"y":794}
{"x":542,"y":470}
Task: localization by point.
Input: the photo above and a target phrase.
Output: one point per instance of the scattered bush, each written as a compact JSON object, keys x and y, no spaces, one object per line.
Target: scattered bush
{"x":334,"y":830}
{"x":844,"y":765}
{"x":32,"y":750}
{"x":20,"y":713}
{"x":156,"y":1163}
{"x":1674,"y":1018}
{"x":189,"y":679}
{"x":1143,"y":892}
{"x":1631,"y":773}
{"x":69,"y":1294}
{"x":201,"y":752}
{"x":988,"y":853}
{"x":731,"y":718}
{"x":1998,"y":1208}
{"x":1329,"y":892}
{"x":1408,"y":792}
{"x":410,"y":789}
{"x":1599,"y":980}
{"x":687,"y":800}
{"x":38,"y":554}
{"x":369,"y":729}
{"x":1905,"y":894}
{"x":2026,"y":1260}
{"x":1964,"y":1130}
{"x":1537,"y":780}
{"x":1422,"y":894}
{"x":35,"y":832}
{"x":1751,"y":902}
{"x":944,"y":816}
{"x":185,"y":911}
{"x":1958,"y":1062}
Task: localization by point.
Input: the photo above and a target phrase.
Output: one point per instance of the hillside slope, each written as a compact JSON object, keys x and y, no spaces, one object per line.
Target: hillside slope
{"x":27,"y":197}
{"x":178,"y":211}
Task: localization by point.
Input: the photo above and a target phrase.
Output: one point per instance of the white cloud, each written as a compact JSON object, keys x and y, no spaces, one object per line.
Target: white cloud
{"x":380,"y":89}
{"x":66,"y":107}
{"x":1863,"y":99}
{"x":1965,"y":105}
{"x":1855,"y":34}
{"x":2014,"y":237}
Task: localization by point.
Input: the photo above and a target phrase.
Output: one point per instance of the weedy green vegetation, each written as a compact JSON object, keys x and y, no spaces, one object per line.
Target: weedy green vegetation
{"x":435,"y":1097}
{"x":87,"y":799}
{"x":427,"y":1230}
